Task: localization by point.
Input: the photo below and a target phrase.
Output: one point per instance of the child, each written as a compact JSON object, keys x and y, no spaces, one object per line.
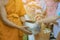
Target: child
{"x":56,"y":28}
{"x":34,"y":12}
{"x":30,"y":16}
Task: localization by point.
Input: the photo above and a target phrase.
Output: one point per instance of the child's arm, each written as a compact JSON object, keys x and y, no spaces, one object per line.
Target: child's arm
{"x":49,"y":19}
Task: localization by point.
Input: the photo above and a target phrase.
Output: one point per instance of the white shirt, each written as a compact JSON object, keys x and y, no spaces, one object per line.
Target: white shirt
{"x":56,"y":28}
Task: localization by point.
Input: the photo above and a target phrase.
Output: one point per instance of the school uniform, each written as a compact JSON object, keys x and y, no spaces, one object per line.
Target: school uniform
{"x":56,"y":28}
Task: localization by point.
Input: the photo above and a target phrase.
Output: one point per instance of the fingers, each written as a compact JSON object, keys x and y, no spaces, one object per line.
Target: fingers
{"x":30,"y":21}
{"x":26,"y":31}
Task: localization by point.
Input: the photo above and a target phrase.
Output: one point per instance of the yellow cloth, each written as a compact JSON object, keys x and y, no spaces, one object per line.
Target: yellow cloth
{"x":14,"y":10}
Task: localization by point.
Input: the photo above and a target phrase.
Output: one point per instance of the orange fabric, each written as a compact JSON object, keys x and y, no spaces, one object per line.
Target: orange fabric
{"x":14,"y":10}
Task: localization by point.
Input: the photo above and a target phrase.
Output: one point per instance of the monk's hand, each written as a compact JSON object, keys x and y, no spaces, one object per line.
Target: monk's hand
{"x":26,"y":31}
{"x":30,"y":21}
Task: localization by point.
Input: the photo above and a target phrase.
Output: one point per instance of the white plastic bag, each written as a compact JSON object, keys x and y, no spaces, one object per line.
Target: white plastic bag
{"x":34,"y":27}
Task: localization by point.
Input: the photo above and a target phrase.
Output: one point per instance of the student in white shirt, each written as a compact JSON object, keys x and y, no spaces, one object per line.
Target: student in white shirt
{"x":56,"y":28}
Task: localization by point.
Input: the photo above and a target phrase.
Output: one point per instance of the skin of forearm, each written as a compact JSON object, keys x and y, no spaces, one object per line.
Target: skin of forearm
{"x":4,"y":18}
{"x":7,"y":22}
{"x":49,"y":19}
{"x":11,"y":24}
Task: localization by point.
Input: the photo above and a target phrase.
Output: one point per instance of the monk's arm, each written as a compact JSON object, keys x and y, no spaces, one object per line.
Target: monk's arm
{"x":4,"y":17}
{"x":9,"y":23}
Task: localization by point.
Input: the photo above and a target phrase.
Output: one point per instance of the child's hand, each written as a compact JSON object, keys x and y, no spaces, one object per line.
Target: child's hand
{"x":37,"y":17}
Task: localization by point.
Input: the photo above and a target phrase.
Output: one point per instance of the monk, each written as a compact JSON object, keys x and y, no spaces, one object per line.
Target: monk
{"x":11,"y":25}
